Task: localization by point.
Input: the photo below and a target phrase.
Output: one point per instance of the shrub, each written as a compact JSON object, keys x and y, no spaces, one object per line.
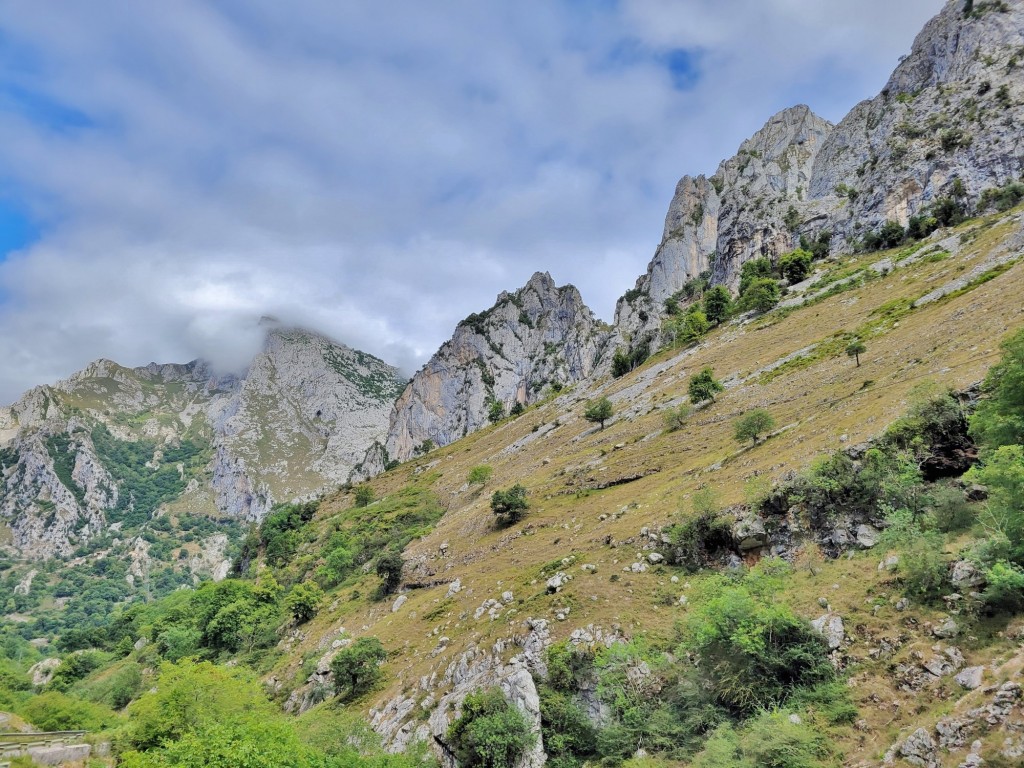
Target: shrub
{"x":1005,"y":587}
{"x":389,"y":568}
{"x":703,"y":386}
{"x":697,"y":543}
{"x":363,"y":496}
{"x":753,"y":270}
{"x":511,"y":503}
{"x":53,"y":711}
{"x":569,"y":736}
{"x":773,"y":740}
{"x":480,"y":474}
{"x":761,"y":295}
{"x":687,"y":328}
{"x":491,"y":732}
{"x":950,"y":510}
{"x":356,"y":669}
{"x":999,"y":417}
{"x":752,"y":652}
{"x":796,"y":265}
{"x":922,"y":566}
{"x":754,"y":424}
{"x":717,"y":304}
{"x":676,"y":418}
{"x":599,"y":411}
{"x":1002,"y":472}
{"x":303,"y":601}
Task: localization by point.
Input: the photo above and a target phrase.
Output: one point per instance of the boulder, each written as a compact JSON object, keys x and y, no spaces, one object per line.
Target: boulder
{"x":919,"y":749}
{"x":971,"y":677}
{"x":749,"y":533}
{"x":867,"y":536}
{"x":830,"y":626}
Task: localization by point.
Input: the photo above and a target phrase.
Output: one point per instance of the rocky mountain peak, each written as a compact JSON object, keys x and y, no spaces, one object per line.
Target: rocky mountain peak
{"x":536,"y":337}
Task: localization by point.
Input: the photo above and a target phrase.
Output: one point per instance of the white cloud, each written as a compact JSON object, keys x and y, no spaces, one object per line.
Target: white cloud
{"x":375,"y":170}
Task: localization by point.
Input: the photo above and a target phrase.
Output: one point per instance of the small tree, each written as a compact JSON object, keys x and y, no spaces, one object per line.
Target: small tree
{"x":304,"y":599}
{"x":480,"y":474}
{"x":495,"y":411}
{"x":676,"y":418}
{"x":855,"y":349}
{"x":795,"y":266}
{"x":389,"y":568}
{"x":511,"y":503}
{"x":754,"y":424}
{"x":717,"y":304}
{"x":761,"y":294}
{"x":364,"y":495}
{"x":599,"y":411}
{"x":703,"y":386}
{"x":357,"y":668}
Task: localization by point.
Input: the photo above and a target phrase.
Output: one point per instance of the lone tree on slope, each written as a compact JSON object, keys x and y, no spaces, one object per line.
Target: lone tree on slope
{"x":599,"y":411}
{"x":855,"y":349}
{"x":704,"y":386}
{"x":754,"y":424}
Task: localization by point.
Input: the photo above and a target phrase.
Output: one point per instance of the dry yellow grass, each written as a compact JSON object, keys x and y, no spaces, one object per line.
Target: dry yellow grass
{"x":820,"y":407}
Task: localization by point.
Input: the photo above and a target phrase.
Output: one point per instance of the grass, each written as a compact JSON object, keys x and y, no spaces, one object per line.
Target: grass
{"x":823,"y":396}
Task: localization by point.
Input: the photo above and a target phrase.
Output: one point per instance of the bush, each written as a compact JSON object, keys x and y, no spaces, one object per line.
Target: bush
{"x":52,"y":711}
{"x":754,"y":424}
{"x":1003,"y":474}
{"x":511,"y":503}
{"x":676,"y":418}
{"x":772,"y":740}
{"x":491,"y":732}
{"x":796,"y":265}
{"x":303,"y":601}
{"x":697,"y":543}
{"x":1005,"y":587}
{"x":356,"y":669}
{"x":569,"y":736}
{"x":480,"y":474}
{"x":752,"y":652}
{"x":999,"y":417}
{"x":950,"y":510}
{"x":495,"y":411}
{"x":687,"y":328}
{"x":754,"y":270}
{"x":703,"y":386}
{"x":363,"y":496}
{"x":389,"y":568}
{"x":760,"y":295}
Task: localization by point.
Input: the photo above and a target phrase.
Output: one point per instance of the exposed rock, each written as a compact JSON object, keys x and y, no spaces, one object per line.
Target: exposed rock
{"x":539,"y":335}
{"x":919,"y":749}
{"x":965,"y":576}
{"x":654,"y":558}
{"x":454,"y":588}
{"x":830,"y":626}
{"x":971,"y":677}
{"x":946,"y":629}
{"x":749,"y":533}
{"x":901,"y":150}
{"x":556,"y":582}
{"x":399,"y":602}
{"x":867,"y":536}
{"x":295,"y":426}
{"x":41,"y":673}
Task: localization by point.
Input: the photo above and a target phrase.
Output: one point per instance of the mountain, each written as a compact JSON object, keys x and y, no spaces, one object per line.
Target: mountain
{"x":531,"y":342}
{"x":943,"y":132}
{"x":112,"y":448}
{"x":838,"y":585}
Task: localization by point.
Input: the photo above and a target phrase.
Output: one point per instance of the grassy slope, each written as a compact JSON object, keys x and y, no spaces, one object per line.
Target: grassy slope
{"x":822,"y":406}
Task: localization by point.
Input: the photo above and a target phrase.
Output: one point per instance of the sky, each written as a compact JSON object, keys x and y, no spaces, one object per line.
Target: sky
{"x":172,"y":172}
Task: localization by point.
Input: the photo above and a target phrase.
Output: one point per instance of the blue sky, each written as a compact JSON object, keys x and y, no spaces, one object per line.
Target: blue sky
{"x":171,"y":172}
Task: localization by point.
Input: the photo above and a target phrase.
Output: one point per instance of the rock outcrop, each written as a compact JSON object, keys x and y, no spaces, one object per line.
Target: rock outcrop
{"x":538,"y":337}
{"x":951,"y":111}
{"x":945,"y":127}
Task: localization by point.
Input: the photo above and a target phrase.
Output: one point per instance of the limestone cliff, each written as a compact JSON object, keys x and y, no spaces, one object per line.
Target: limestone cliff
{"x":538,"y":337}
{"x":945,"y":126}
{"x":951,"y":110}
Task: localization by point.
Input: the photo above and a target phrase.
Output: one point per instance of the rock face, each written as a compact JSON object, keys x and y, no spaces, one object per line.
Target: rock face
{"x":770,"y":173}
{"x":539,"y":336}
{"x":687,"y":245}
{"x":945,"y":125}
{"x":951,"y":110}
{"x":295,"y":425}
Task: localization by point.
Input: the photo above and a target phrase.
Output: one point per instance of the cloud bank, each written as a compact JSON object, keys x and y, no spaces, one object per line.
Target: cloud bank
{"x":376,"y":171}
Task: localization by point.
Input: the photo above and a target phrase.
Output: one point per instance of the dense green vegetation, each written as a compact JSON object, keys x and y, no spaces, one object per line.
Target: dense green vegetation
{"x":143,"y":482}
